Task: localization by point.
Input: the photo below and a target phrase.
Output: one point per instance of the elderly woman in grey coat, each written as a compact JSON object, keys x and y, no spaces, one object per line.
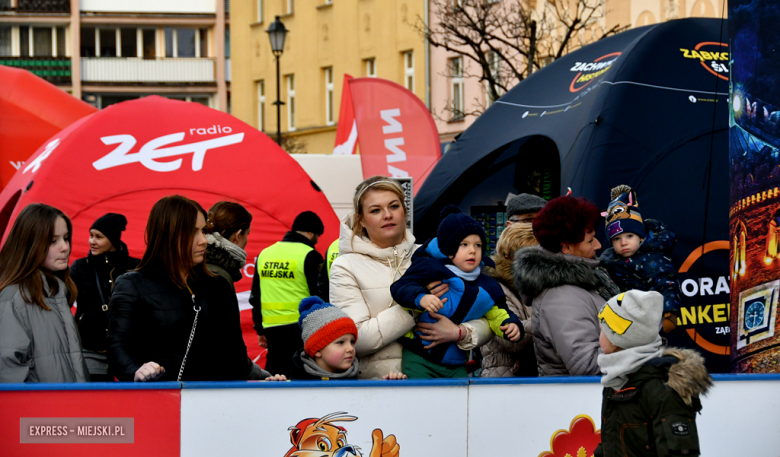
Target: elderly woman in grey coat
{"x":38,"y":337}
{"x":565,"y":285}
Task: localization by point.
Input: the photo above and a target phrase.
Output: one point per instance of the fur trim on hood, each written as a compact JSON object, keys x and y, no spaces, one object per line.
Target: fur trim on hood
{"x":218,"y":255}
{"x":537,"y":269}
{"x":688,"y":377}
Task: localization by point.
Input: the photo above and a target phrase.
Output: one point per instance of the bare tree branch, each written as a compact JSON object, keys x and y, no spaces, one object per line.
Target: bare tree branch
{"x":496,"y":36}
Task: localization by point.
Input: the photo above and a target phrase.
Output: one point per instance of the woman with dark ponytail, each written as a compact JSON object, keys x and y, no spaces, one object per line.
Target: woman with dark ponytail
{"x":227,"y":232}
{"x":38,"y":337}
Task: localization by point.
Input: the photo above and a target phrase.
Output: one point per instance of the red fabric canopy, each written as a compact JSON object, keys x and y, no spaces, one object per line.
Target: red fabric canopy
{"x":126,"y":157}
{"x":31,"y":111}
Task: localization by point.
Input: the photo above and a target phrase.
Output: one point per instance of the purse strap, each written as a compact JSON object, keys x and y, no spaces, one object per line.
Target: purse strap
{"x":100,"y":291}
{"x":192,"y":335}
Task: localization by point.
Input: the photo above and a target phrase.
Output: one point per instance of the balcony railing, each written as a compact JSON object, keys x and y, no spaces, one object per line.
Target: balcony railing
{"x":56,"y":70}
{"x":36,"y":6}
{"x":135,"y":70}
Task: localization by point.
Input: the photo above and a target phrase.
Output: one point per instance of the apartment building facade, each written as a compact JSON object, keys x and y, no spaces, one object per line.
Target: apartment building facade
{"x":326,"y":40}
{"x":107,"y":51}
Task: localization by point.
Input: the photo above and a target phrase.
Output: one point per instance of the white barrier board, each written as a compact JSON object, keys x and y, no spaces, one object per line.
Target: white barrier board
{"x":425,"y":421}
{"x":528,"y":415}
{"x":738,"y":418}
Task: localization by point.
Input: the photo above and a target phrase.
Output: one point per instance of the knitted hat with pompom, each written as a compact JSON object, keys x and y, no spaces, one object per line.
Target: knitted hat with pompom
{"x":322,"y":323}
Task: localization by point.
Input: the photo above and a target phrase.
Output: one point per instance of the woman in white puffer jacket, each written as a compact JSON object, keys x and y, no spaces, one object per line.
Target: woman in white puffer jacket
{"x":375,"y":249}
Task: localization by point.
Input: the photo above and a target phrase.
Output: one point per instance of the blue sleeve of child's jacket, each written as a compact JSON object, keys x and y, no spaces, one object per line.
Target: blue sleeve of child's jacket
{"x":662,"y":278}
{"x":410,"y":288}
{"x":659,"y":237}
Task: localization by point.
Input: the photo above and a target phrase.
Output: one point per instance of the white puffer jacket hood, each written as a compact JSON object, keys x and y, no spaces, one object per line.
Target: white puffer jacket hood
{"x":360,"y":282}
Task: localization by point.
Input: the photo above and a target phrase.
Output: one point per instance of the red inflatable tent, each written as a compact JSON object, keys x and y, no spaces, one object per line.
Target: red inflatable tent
{"x":124,"y":158}
{"x":31,"y":110}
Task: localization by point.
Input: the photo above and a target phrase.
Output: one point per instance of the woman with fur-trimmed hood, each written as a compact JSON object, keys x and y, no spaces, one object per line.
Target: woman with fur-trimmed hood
{"x":565,"y":286}
{"x":651,"y":393}
{"x":502,"y":358}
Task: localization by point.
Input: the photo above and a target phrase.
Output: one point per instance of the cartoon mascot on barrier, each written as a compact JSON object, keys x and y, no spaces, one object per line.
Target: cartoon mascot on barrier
{"x":320,"y":438}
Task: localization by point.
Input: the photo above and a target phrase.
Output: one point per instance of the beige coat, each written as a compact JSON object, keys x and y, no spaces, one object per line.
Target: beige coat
{"x":500,"y":355}
{"x":360,"y":280}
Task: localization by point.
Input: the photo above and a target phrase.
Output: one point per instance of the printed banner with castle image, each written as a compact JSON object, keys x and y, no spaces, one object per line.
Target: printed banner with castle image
{"x":754,"y":217}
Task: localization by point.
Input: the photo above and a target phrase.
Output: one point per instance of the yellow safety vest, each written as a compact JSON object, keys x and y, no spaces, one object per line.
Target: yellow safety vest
{"x":333,"y":252}
{"x":282,"y":282}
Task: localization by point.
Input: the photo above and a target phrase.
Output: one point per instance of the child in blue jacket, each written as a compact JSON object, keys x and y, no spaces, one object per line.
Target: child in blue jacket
{"x":454,"y":257}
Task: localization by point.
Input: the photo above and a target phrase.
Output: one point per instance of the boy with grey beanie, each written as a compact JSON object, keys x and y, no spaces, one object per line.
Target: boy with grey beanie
{"x":651,"y":393}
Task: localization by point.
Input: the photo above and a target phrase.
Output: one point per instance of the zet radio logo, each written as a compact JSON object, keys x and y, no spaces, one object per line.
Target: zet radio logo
{"x":587,"y":72}
{"x":713,"y":56}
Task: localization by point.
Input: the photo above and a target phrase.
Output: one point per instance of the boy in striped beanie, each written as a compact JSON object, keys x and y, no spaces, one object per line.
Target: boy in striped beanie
{"x":329,"y":338}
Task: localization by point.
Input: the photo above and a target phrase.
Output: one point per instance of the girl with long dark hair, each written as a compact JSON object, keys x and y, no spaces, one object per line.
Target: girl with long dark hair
{"x":38,"y":337}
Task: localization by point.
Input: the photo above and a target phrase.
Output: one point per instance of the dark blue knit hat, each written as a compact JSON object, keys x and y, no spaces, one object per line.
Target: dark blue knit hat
{"x":454,"y":227}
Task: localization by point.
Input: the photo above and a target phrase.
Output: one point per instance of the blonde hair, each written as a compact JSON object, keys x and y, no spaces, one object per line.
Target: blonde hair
{"x":372,"y":184}
{"x":516,"y":236}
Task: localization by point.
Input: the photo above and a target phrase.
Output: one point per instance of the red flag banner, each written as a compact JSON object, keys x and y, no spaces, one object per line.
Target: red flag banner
{"x":396,"y":132}
{"x":346,"y":135}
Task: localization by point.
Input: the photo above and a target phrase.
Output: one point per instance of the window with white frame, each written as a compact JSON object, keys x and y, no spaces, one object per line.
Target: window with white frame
{"x":261,"y":106}
{"x":290,"y":102}
{"x":370,"y":67}
{"x":6,"y":43}
{"x":185,"y":42}
{"x":456,"y":87}
{"x":259,"y":10}
{"x":142,"y":42}
{"x":329,"y":108}
{"x":36,"y":41}
{"x":409,"y":70}
{"x":494,"y":66}
{"x":204,"y":100}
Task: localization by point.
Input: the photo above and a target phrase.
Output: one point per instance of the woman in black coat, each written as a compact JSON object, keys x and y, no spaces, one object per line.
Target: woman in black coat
{"x":172,"y":318}
{"x":94,"y":277}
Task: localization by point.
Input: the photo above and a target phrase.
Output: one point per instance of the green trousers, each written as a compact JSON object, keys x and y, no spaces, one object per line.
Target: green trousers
{"x":417,"y":367}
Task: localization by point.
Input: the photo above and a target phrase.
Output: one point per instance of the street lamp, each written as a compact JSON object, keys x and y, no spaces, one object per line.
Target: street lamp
{"x":277,"y":33}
